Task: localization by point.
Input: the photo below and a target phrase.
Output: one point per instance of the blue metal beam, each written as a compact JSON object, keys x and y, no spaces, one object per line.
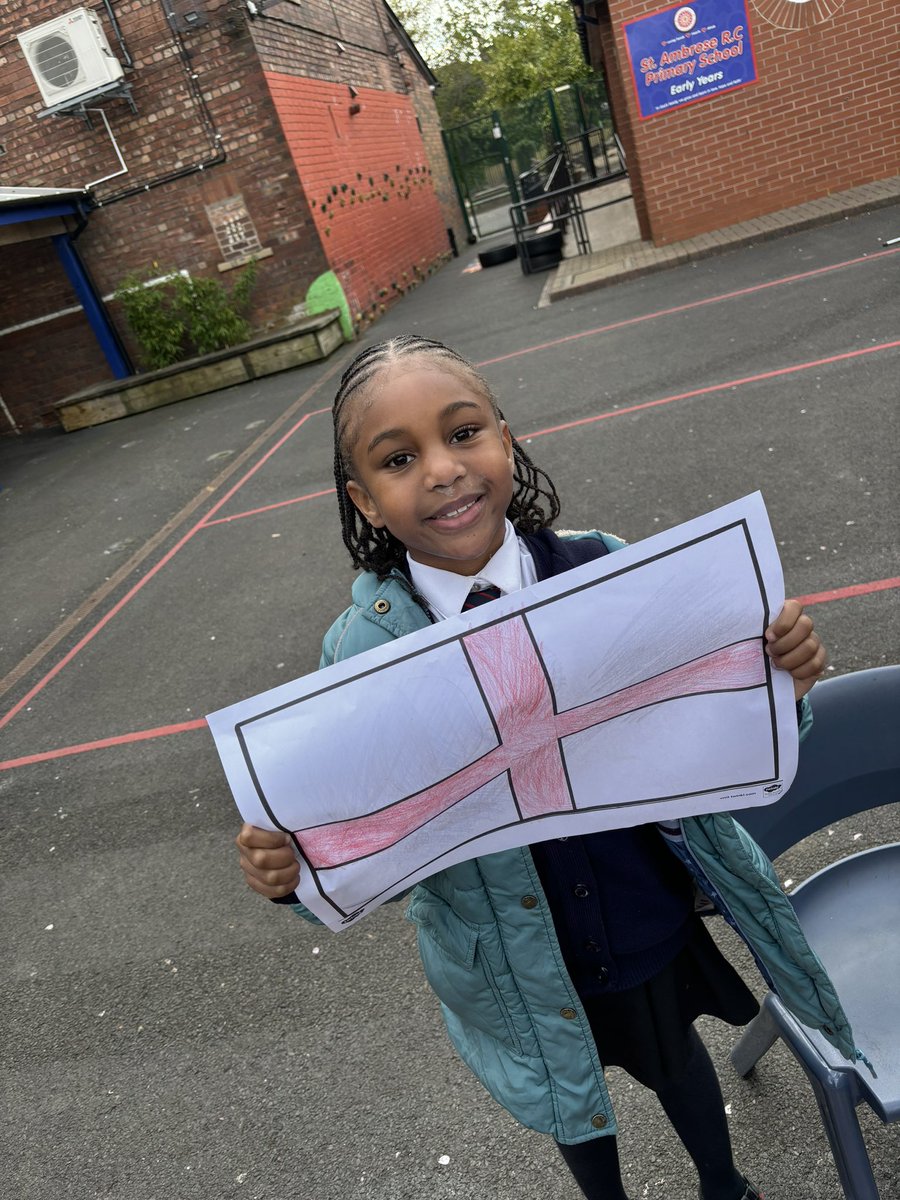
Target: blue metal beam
{"x":94,"y":308}
{"x":15,"y":214}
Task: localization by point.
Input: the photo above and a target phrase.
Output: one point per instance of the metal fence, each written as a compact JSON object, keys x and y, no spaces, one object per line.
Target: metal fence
{"x":494,"y":156}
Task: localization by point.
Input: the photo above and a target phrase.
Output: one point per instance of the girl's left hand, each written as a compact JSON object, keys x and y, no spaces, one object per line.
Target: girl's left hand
{"x":268,"y":861}
{"x":793,"y":645}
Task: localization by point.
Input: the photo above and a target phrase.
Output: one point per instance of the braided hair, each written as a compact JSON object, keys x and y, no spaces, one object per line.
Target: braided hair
{"x":534,"y":504}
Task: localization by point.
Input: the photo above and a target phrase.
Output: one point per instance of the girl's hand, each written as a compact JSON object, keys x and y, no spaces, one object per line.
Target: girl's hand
{"x":268,"y":861}
{"x":793,"y":645}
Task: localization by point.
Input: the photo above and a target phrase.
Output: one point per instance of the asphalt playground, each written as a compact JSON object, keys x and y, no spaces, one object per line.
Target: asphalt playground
{"x":169,"y":1035}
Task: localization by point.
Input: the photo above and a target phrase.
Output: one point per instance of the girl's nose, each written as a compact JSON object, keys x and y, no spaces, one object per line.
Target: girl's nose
{"x":443,"y":468}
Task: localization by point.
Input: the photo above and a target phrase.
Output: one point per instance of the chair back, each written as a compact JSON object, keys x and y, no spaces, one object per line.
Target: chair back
{"x":850,"y":762}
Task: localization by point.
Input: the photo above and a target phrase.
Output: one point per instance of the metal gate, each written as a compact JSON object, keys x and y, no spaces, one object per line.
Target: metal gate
{"x":497,"y":159}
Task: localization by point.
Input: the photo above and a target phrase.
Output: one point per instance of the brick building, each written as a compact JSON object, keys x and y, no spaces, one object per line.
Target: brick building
{"x":729,"y":109}
{"x":298,"y":132}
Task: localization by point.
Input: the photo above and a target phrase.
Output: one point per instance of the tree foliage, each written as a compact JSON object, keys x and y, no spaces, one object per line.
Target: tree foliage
{"x":492,"y":57}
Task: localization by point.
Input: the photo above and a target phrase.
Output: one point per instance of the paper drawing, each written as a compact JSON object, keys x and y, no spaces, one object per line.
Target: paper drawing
{"x":633,"y":689}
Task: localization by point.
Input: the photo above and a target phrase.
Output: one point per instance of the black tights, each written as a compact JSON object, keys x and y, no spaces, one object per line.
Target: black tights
{"x":693,"y":1104}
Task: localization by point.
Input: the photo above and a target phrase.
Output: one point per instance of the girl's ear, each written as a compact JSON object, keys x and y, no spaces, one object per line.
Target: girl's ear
{"x":365,"y":504}
{"x":506,"y":438}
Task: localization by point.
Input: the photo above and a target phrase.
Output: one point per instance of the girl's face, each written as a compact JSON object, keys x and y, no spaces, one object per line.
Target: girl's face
{"x":433,"y":465}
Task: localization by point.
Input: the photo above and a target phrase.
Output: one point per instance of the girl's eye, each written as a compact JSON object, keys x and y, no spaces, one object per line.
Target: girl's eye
{"x":462,"y":435}
{"x":398,"y":460}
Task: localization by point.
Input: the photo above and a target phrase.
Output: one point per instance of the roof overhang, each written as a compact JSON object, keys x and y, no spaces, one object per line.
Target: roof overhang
{"x":41,"y":212}
{"x":586,"y":13}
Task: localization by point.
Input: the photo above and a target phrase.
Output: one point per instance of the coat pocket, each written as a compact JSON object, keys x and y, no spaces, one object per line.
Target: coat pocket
{"x":459,"y":970}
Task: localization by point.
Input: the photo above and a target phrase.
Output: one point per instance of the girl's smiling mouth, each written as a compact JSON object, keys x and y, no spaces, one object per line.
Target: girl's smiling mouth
{"x":456,"y":510}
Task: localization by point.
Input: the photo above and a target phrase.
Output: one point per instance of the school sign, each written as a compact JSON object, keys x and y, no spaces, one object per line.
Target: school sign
{"x":688,"y":53}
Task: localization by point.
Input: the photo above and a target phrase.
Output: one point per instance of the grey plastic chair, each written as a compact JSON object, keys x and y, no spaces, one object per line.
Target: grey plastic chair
{"x":850,"y":912}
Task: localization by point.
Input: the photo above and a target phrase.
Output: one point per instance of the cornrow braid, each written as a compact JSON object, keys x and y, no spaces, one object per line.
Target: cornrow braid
{"x":534,"y":505}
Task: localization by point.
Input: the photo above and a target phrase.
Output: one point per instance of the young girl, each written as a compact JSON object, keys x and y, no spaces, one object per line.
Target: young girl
{"x":555,"y":960}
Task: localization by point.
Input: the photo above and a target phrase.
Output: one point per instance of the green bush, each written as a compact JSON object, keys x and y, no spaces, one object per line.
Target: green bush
{"x":148,"y":311}
{"x":184,"y":316}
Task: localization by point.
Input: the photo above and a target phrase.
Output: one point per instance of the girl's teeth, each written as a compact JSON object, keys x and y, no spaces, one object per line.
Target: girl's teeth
{"x":456,"y":512}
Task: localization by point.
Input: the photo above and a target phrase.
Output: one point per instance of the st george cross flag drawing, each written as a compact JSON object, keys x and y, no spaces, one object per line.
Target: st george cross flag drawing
{"x":629,"y":690}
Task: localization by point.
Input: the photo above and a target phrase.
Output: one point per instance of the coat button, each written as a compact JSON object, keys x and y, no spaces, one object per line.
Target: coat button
{"x":602,"y":975}
{"x":581,"y":890}
{"x":381,"y":605}
{"x":592,"y":946}
{"x":569,"y":1013}
{"x":599,"y":1121}
{"x":529,"y":901}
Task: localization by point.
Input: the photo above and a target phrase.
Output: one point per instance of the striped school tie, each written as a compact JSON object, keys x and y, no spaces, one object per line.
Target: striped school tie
{"x":481,"y":596}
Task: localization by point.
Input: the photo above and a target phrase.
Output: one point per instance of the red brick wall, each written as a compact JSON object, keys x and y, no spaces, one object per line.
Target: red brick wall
{"x":368,"y":183}
{"x":204,"y":102}
{"x":312,"y":54}
{"x":822,"y":117}
{"x":223,"y":119}
{"x":35,"y":359}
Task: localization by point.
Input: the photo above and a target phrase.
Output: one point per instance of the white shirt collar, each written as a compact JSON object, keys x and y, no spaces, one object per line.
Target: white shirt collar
{"x":510,"y":569}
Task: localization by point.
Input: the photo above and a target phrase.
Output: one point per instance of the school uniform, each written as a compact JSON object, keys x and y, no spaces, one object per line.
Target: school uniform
{"x":554,"y":960}
{"x":621,"y":903}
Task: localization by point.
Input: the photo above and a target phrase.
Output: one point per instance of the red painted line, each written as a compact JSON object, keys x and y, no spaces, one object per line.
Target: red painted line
{"x":89,"y":636}
{"x":680,"y":308}
{"x":615,"y":412}
{"x":845,"y":593}
{"x":157,"y":567}
{"x":130,"y":567}
{"x":124,"y":739}
{"x":256,"y":466}
{"x":252,"y":512}
{"x":714,"y":387}
{"x":572,"y":337}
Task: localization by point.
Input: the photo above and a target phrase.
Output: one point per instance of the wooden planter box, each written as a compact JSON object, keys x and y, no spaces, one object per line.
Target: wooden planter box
{"x":309,"y":340}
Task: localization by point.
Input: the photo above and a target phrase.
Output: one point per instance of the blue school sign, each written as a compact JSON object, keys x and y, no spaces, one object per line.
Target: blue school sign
{"x":689,"y":52}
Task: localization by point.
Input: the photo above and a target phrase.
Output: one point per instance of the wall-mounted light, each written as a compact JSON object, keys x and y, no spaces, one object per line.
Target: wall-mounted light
{"x":340,"y":47}
{"x":352,"y":90}
{"x":187,"y":15}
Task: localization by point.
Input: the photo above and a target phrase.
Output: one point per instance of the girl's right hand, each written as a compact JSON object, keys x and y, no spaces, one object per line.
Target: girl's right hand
{"x":268,"y":861}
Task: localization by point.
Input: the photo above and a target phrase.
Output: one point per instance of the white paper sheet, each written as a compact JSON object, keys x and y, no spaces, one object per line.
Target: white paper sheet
{"x":629,"y":690}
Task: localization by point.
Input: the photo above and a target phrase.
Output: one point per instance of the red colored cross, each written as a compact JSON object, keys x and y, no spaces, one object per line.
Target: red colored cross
{"x":510,"y":672}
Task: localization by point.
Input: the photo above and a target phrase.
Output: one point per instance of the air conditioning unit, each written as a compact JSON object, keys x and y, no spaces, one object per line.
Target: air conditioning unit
{"x":70,"y":57}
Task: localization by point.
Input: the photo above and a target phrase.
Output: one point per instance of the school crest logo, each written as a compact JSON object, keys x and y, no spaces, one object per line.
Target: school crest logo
{"x":685,"y":20}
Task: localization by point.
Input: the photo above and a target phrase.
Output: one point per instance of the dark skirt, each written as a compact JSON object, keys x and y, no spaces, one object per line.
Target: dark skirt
{"x":645,"y":1029}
